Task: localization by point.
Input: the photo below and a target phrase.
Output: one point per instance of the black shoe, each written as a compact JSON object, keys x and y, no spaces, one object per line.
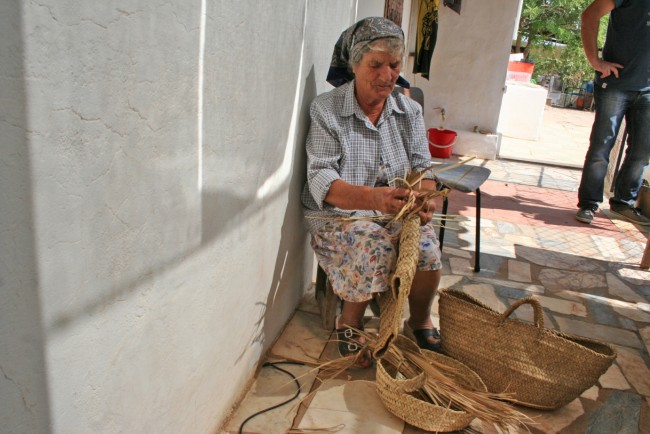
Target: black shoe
{"x":421,"y":337}
{"x":351,"y":343}
{"x":630,"y":214}
{"x":585,"y":215}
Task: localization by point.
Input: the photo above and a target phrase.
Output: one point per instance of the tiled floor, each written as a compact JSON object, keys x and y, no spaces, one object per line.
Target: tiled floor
{"x":587,"y":278}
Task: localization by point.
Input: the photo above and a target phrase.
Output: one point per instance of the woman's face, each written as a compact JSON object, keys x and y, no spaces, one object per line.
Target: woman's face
{"x":376,"y":74}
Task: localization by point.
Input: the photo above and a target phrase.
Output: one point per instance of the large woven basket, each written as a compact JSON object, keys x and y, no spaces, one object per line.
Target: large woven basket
{"x":399,"y":389}
{"x":542,"y":368}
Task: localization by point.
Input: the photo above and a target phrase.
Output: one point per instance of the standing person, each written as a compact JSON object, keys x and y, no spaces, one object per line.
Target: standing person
{"x":363,"y":136}
{"x":622,"y":89}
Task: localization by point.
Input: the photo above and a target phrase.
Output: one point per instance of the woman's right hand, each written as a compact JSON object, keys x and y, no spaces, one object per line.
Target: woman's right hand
{"x":386,"y":200}
{"x":390,"y":200}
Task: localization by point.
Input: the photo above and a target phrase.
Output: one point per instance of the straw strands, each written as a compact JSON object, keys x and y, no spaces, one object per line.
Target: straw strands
{"x":452,"y":387}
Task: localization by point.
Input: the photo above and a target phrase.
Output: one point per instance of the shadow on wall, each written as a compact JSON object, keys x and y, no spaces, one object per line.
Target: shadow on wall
{"x":292,"y":249}
{"x":24,"y":405}
{"x":218,"y":218}
{"x":221,"y":212}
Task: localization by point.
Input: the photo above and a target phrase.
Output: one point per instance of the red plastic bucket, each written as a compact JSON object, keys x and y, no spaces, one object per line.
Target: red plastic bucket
{"x":526,"y":67}
{"x":441,"y":142}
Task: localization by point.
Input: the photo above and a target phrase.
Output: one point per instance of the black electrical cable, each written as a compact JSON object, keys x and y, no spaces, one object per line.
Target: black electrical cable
{"x":273,"y":365}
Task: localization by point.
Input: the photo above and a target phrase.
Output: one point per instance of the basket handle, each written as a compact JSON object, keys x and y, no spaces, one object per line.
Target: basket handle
{"x":442,"y":146}
{"x":538,"y":311}
{"x":412,"y":384}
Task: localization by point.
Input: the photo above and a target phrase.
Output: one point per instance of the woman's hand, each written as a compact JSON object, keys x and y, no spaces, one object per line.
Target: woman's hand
{"x":390,"y":200}
{"x":386,"y":200}
{"x":427,"y":207}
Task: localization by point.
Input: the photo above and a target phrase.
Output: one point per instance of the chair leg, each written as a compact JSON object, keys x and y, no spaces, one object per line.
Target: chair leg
{"x":477,"y":253}
{"x":645,"y":261}
{"x":443,"y":220}
{"x":326,"y":299}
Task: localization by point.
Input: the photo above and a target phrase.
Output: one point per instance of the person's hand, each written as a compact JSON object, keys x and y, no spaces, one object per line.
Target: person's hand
{"x":606,"y":68}
{"x":390,"y":200}
{"x":427,"y":210}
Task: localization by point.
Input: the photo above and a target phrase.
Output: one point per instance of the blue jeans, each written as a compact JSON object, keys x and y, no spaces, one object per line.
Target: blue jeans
{"x":611,"y":106}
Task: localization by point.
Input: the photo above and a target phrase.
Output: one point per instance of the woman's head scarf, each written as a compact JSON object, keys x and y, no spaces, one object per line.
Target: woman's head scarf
{"x":368,"y":29}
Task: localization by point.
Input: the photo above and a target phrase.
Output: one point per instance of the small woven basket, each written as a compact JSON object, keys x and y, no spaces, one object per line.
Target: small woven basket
{"x":398,"y":389}
{"x":542,"y":368}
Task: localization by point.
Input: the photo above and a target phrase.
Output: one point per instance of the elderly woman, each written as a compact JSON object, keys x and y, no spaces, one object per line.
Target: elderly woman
{"x":362,"y":137}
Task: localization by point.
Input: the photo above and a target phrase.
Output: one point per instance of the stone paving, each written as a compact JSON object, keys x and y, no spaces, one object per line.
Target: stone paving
{"x":586,"y":277}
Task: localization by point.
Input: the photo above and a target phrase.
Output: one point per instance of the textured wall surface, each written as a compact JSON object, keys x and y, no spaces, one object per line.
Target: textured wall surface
{"x":152,"y":238}
{"x":23,"y":379}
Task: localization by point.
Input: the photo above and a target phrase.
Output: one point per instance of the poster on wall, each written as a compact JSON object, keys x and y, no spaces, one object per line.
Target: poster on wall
{"x":427,"y":33}
{"x":393,"y":11}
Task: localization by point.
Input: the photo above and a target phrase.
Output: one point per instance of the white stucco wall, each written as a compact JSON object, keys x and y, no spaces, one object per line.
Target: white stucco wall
{"x":468,"y":71}
{"x":150,"y":229}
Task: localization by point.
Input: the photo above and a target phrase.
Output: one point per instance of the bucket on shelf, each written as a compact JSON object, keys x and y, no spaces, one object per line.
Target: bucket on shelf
{"x":527,"y":67}
{"x":441,"y":142}
{"x":520,"y":71}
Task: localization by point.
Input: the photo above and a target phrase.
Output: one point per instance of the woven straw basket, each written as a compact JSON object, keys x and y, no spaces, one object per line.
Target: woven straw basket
{"x":399,"y":393}
{"x":542,"y":368}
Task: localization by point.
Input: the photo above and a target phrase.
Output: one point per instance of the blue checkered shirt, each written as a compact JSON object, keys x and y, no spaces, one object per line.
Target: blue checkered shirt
{"x":344,"y":144}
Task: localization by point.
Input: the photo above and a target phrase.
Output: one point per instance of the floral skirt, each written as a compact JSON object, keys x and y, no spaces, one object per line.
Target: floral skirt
{"x":359,"y":257}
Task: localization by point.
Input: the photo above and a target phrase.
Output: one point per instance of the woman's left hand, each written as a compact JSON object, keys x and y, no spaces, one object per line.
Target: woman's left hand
{"x":428,"y":205}
{"x":428,"y":208}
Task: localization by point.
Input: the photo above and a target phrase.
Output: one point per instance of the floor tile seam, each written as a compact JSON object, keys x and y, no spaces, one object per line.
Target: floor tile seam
{"x":541,"y":163}
{"x":568,"y":230}
{"x":571,"y":189}
{"x":542,"y":187}
{"x":316,"y":384}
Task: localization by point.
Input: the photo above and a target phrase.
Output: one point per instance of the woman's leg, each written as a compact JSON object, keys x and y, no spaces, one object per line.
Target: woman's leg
{"x":349,"y":342}
{"x":358,"y":257}
{"x":423,"y":290}
{"x":352,"y":314}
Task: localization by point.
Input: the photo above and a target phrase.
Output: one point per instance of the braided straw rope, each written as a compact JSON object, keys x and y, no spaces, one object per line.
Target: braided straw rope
{"x":391,"y":303}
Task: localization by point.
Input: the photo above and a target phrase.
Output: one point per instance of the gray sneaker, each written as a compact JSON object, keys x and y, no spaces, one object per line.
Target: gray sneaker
{"x":585,"y":215}
{"x":631,"y":214}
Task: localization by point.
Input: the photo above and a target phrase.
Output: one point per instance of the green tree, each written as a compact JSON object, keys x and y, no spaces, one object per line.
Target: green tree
{"x":550,"y":30}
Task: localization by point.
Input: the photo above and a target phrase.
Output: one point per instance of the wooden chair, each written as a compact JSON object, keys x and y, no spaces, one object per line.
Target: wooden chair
{"x":328,"y":302}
